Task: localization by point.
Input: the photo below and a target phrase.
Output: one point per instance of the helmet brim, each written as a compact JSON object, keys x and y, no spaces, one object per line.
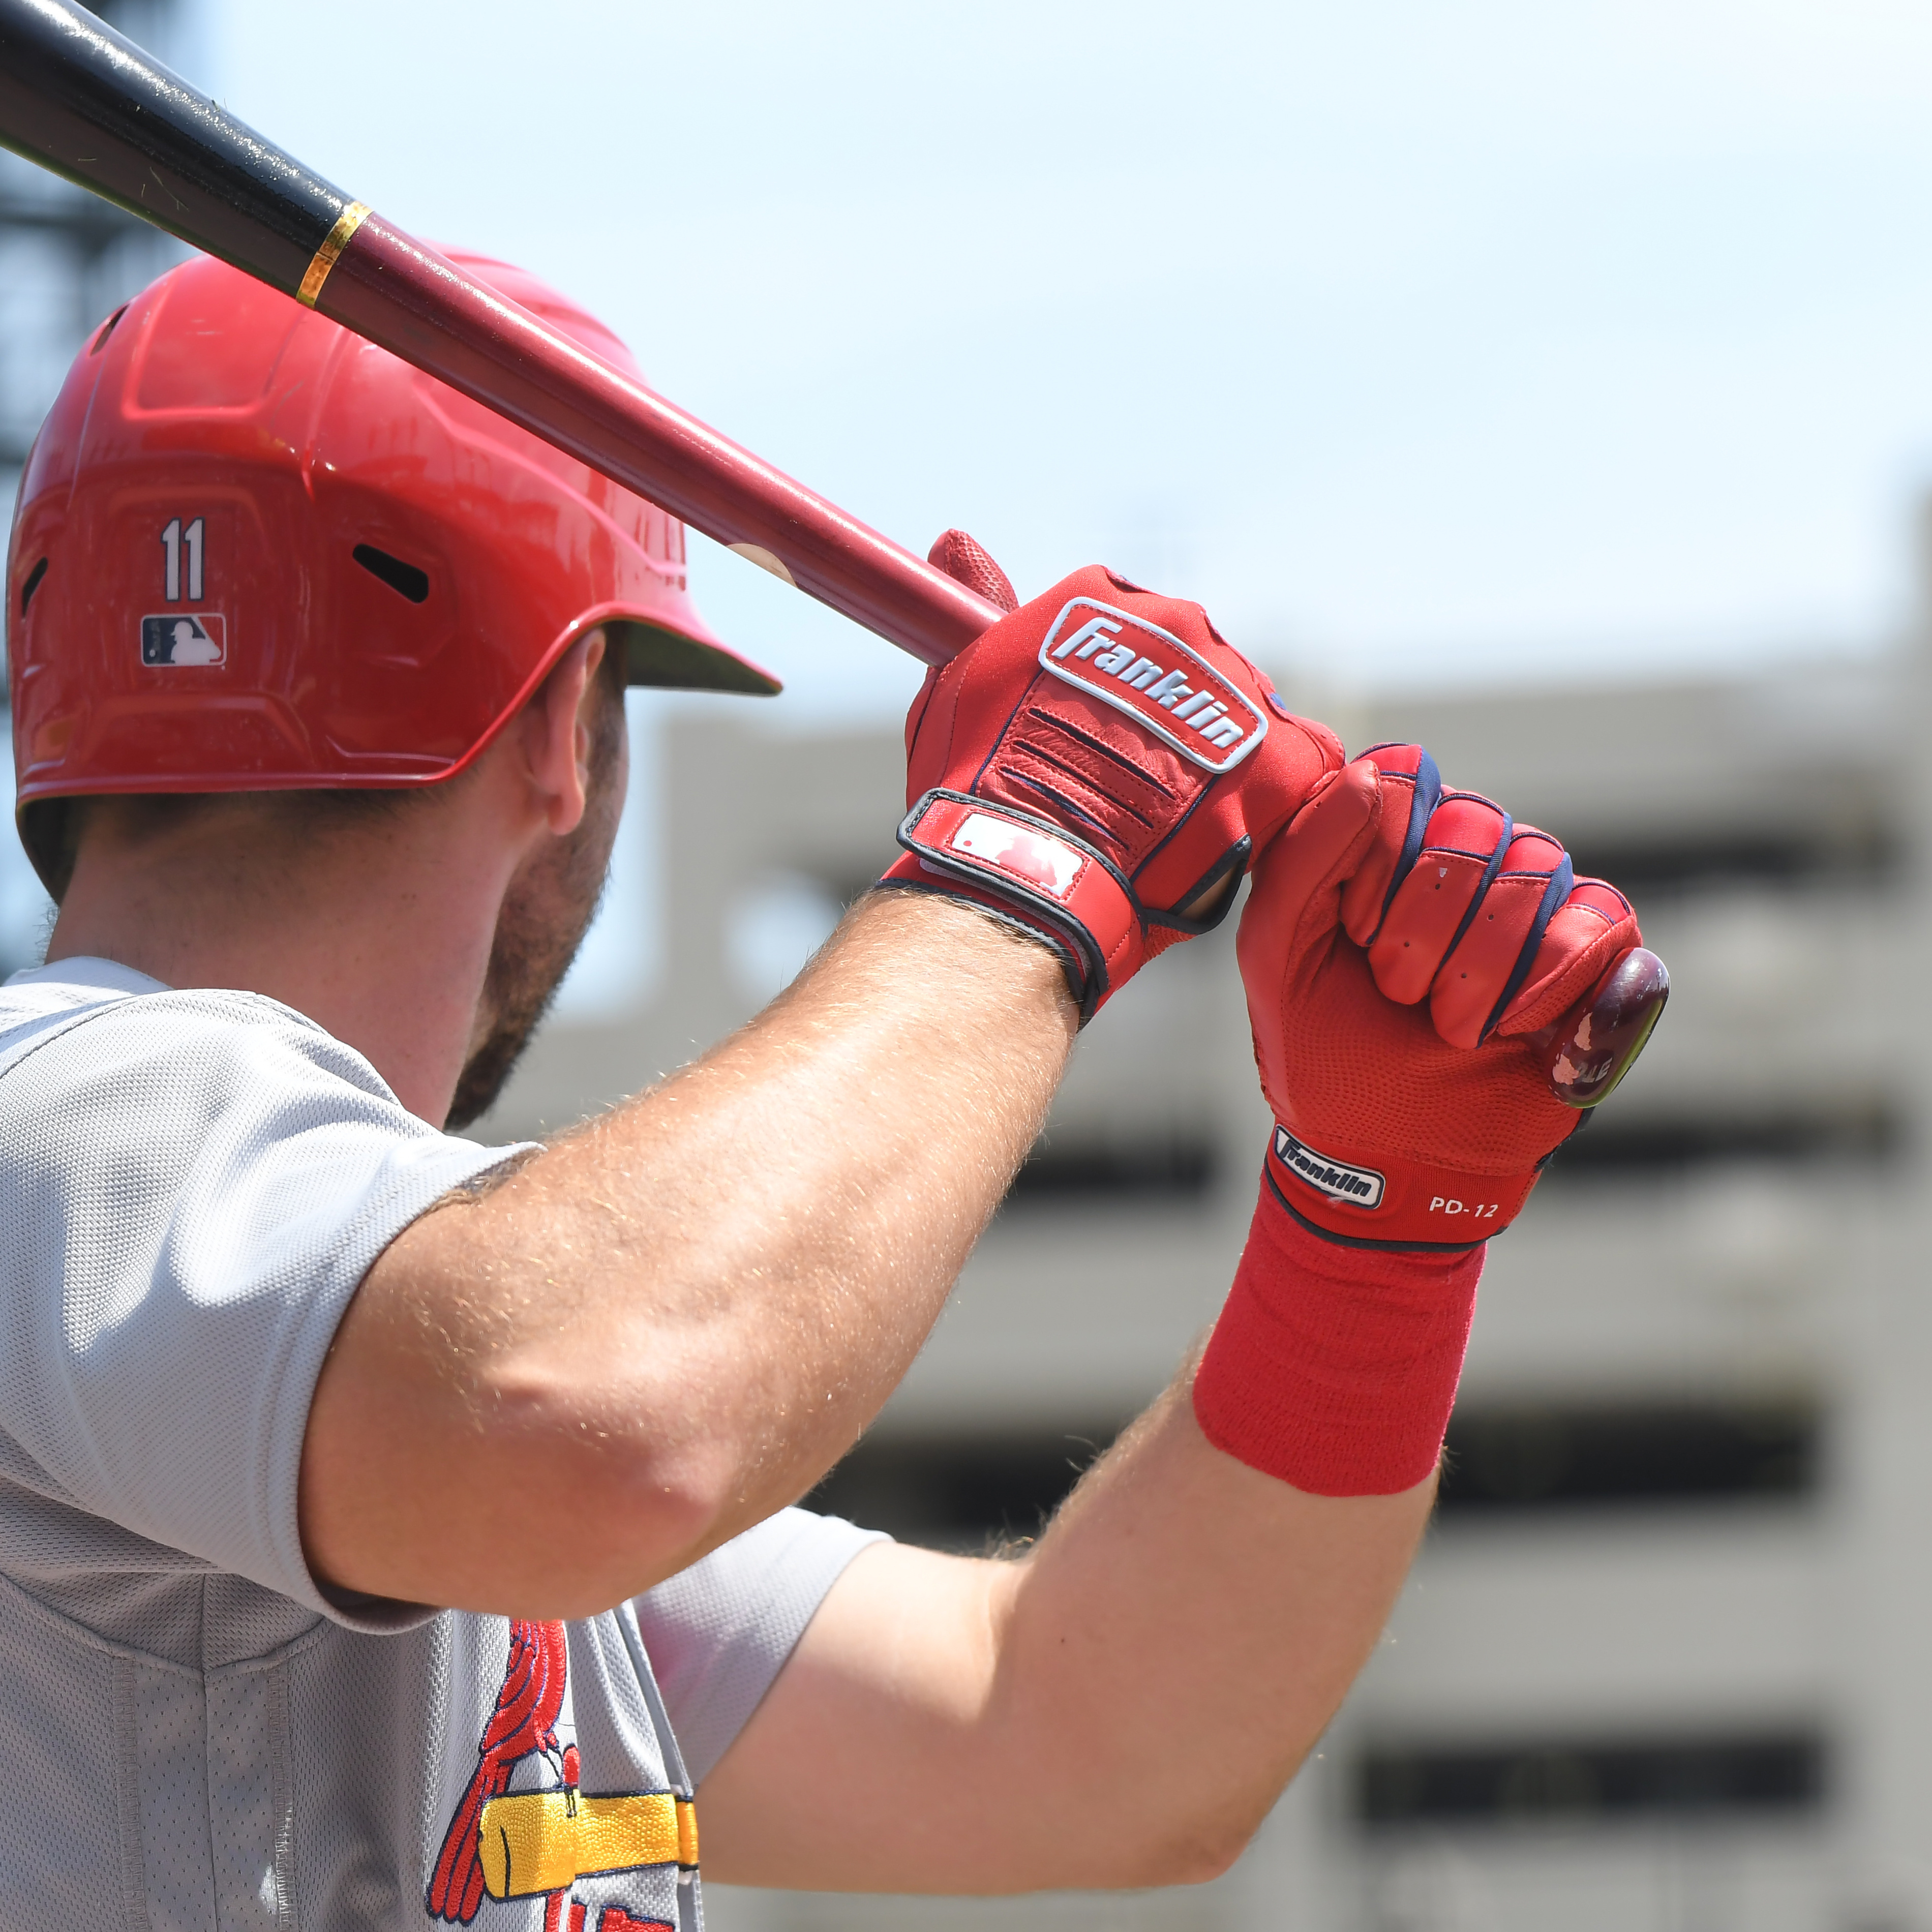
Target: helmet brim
{"x":660,"y":659}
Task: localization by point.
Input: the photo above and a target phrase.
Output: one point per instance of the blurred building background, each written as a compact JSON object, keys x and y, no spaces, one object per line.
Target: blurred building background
{"x":1663,"y":1665}
{"x":67,"y":259}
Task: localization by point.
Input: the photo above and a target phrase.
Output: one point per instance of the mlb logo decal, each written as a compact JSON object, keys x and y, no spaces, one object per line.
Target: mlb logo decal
{"x":184,"y":637}
{"x":1030,"y":856}
{"x":1170,"y":691}
{"x":178,"y":639}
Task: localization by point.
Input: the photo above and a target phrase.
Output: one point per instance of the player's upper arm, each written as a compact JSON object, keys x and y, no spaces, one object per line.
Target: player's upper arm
{"x":874,"y":1763}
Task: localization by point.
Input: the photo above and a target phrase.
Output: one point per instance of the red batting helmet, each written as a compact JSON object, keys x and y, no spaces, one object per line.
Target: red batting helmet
{"x":252,"y":552}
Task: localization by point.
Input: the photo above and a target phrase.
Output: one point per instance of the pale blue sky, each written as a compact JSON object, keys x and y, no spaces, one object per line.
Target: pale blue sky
{"x":1414,"y":339}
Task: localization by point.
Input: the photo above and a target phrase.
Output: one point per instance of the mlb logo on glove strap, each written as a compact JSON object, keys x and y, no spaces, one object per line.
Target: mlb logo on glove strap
{"x":1031,"y":856}
{"x":1156,"y":680}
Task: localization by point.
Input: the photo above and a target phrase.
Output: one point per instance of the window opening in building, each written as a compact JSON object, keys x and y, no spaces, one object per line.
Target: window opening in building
{"x":1775,"y":1774}
{"x":1863,"y":853}
{"x":1161,"y":1168}
{"x":1864,"y":1135}
{"x":1529,"y":1457}
{"x":961,"y":1491}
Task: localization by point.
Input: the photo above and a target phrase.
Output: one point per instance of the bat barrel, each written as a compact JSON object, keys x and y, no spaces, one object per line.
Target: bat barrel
{"x":88,"y":104}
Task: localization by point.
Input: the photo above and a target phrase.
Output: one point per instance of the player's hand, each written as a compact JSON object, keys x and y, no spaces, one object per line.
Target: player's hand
{"x":1402,"y":944}
{"x":1099,"y":767}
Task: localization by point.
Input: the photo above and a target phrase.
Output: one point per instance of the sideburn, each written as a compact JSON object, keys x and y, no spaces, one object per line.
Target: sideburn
{"x":549,"y":908}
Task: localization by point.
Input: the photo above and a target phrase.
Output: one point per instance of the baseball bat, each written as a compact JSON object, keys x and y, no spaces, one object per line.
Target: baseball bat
{"x":84,"y":102}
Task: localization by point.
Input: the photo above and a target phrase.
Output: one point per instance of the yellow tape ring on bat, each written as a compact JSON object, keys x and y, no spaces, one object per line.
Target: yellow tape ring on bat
{"x":351,"y":218}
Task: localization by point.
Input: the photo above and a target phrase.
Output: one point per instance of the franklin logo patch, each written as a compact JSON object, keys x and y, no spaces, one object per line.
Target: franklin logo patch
{"x":185,"y":638}
{"x":1360,"y":1186}
{"x":1040,"y":861}
{"x":1149,"y":674}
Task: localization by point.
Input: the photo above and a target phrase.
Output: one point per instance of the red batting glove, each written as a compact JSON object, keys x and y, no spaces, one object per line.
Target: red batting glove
{"x":1098,"y":760}
{"x":1401,"y":944}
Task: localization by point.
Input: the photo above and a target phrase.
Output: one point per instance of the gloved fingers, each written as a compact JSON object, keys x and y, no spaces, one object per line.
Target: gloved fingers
{"x":968,"y":560}
{"x":1593,"y":928}
{"x":1411,"y":788}
{"x":1463,"y":846}
{"x":1498,"y":948}
{"x":1298,"y":877}
{"x":965,"y":558}
{"x":1457,"y":905}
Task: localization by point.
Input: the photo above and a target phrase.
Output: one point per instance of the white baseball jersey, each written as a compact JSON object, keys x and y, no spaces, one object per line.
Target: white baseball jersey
{"x":192,"y":1733}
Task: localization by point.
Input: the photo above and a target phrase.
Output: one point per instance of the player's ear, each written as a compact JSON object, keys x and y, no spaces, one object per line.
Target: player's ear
{"x":558,"y":726}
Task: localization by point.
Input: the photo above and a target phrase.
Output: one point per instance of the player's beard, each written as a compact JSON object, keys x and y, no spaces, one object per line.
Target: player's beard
{"x":546,"y":913}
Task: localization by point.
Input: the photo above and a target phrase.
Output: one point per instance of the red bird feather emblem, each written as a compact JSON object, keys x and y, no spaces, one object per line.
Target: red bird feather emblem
{"x":522,"y":1722}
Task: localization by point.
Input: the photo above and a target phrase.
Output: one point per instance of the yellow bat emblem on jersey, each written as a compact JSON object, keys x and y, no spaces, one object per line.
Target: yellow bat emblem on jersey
{"x":532,"y":1842}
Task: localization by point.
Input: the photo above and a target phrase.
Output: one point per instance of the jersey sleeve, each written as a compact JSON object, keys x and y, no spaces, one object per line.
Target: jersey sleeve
{"x":192,"y":1186}
{"x":719,"y":1634}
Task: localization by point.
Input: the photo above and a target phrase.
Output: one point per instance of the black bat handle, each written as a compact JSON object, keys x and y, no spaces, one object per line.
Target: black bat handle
{"x":84,"y":102}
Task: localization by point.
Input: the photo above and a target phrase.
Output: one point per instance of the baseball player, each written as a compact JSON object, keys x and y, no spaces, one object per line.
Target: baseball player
{"x":398,"y":1532}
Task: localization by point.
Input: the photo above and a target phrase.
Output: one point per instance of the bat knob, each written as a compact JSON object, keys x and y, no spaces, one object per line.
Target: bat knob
{"x":1594,"y":1045}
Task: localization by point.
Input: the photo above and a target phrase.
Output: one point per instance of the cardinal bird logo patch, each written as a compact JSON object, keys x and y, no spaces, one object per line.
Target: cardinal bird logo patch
{"x":1163,"y":685}
{"x":537,"y":1839}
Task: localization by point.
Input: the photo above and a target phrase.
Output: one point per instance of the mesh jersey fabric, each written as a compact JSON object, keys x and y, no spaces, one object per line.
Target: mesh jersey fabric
{"x":192,"y":1185}
{"x":709,"y":1630}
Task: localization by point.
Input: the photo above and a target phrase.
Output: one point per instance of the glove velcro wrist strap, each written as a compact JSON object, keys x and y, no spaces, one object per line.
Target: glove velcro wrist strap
{"x":1375,"y":1202}
{"x":1032,"y":870}
{"x":1334,"y":1368}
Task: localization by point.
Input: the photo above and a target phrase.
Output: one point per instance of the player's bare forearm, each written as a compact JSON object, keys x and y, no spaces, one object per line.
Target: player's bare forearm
{"x":674,"y":1320}
{"x":1120,"y":1708}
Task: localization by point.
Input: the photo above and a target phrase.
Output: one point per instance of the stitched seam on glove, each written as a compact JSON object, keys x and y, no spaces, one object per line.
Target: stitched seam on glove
{"x":1234,"y":860}
{"x":996,"y":740}
{"x":1173,"y":831}
{"x":1103,"y":748}
{"x":1425,"y":793}
{"x":1033,"y":748}
{"x":1555,"y":893}
{"x":1493,"y":865}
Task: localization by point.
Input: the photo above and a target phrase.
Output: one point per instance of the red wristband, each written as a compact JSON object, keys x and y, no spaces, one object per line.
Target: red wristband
{"x":1335,"y":1368}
